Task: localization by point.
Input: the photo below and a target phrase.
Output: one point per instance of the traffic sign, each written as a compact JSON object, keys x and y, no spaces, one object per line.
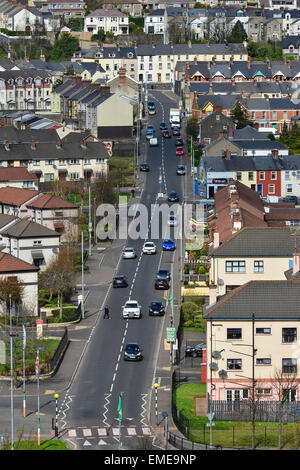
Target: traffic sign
{"x":171,"y":334}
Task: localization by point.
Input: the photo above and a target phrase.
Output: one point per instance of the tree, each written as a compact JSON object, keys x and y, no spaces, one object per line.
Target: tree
{"x":11,"y":288}
{"x":64,"y":47}
{"x":239,"y":116}
{"x":238,"y":34}
{"x":192,"y":128}
{"x":284,"y":136}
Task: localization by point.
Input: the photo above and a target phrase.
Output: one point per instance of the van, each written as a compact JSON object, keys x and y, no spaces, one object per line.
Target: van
{"x":153,"y":142}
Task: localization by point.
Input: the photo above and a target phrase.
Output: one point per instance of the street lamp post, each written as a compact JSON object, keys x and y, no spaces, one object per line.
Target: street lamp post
{"x":37,"y":371}
{"x":166,"y":429}
{"x":24,"y":372}
{"x":90,"y":222}
{"x":82,"y":276}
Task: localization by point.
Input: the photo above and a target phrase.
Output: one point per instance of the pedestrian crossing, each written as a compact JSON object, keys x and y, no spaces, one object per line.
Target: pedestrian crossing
{"x":105,"y":432}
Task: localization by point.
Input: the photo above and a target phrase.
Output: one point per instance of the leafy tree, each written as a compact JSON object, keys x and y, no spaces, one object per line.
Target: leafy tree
{"x":75,"y":24}
{"x":284,"y":136}
{"x":192,"y":128}
{"x":240,"y":117}
{"x":11,"y":287}
{"x":238,"y":34}
{"x":64,"y":47}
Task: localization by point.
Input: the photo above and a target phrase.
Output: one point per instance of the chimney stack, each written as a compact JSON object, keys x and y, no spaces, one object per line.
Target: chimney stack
{"x":216,"y":239}
{"x":33,"y":144}
{"x":296,"y":262}
{"x":227,"y":154}
{"x":212,"y":293}
{"x":275,"y":153}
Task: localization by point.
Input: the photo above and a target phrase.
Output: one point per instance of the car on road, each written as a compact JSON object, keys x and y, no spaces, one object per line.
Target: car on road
{"x":120,"y":281}
{"x":150,"y":129}
{"x":172,"y":220}
{"x":168,"y":244}
{"x":156,"y":309}
{"x":176,"y":131}
{"x":178,"y":142}
{"x":163,"y":274}
{"x":180,"y":170}
{"x":292,"y":199}
{"x":149,"y":248}
{"x":179,"y":151}
{"x":161,"y":284}
{"x":153,"y":142}
{"x":131,"y":309}
{"x":129,"y":253}
{"x":132,"y":352}
{"x":166,"y":135}
{"x":163,"y":126}
{"x":195,"y":351}
{"x":173,"y":197}
{"x":144,"y":167}
{"x":149,"y":135}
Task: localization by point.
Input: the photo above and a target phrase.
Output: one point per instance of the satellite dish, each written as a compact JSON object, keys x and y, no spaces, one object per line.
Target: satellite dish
{"x":213,"y":366}
{"x":216,"y":354}
{"x":223,"y":374}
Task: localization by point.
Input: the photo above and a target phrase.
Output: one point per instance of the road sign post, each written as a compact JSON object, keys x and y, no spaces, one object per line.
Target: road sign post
{"x":171,"y":334}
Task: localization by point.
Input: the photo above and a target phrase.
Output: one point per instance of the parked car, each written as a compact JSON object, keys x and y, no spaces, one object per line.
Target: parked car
{"x":132,"y":352}
{"x":144,"y":167}
{"x":195,"y":351}
{"x":156,"y":309}
{"x":150,"y":129}
{"x":128,"y":253}
{"x":180,"y":170}
{"x":176,"y":131}
{"x":163,"y":126}
{"x":172,"y":221}
{"x":120,"y":281}
{"x":292,"y":199}
{"x":161,"y":284}
{"x":149,"y":248}
{"x":173,"y":197}
{"x":179,"y":151}
{"x":168,"y":245}
{"x":166,"y":135}
{"x":178,"y":142}
{"x":131,"y":309}
{"x":163,"y":274}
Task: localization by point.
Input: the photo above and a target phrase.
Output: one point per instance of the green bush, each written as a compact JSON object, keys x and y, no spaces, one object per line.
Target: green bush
{"x":68,"y":315}
{"x":201,"y":269}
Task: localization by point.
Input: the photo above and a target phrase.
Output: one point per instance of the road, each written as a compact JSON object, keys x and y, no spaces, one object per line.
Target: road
{"x":88,"y":413}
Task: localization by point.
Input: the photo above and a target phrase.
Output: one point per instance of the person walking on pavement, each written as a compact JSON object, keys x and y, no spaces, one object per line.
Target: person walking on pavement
{"x":106,"y":312}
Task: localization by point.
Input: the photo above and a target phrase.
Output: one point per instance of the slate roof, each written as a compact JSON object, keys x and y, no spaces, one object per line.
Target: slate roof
{"x":183,"y":49}
{"x":25,"y":228}
{"x":265,"y":300}
{"x":11,"y":264}
{"x":248,"y":133}
{"x":259,"y":163}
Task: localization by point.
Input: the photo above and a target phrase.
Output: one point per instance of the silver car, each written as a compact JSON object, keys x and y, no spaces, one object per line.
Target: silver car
{"x":128,"y":253}
{"x":180,"y":170}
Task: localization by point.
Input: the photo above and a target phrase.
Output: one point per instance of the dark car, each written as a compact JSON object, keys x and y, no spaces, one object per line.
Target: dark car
{"x":132,"y":352}
{"x":161,"y":284}
{"x":178,"y":142}
{"x":176,"y":131}
{"x":195,"y":351}
{"x":144,"y":167}
{"x":156,"y":309}
{"x":173,"y":197}
{"x":180,"y":170}
{"x":120,"y":281}
{"x":163,"y":126}
{"x":166,"y":135}
{"x":292,"y":199}
{"x":163,"y":274}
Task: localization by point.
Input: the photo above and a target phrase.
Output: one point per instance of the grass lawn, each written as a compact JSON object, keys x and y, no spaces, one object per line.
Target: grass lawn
{"x":33,"y":445}
{"x":230,"y":433}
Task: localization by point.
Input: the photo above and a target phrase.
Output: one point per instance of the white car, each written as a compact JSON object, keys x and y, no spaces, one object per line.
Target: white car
{"x":128,"y":253}
{"x":131,"y":309}
{"x":149,"y":248}
{"x":172,"y":221}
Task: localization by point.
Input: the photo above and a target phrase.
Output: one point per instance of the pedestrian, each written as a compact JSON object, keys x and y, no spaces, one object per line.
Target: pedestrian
{"x":106,"y":312}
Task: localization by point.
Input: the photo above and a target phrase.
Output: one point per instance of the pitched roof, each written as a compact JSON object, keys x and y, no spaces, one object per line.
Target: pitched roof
{"x":49,"y":201}
{"x":16,"y":196}
{"x":26,"y":228}
{"x":16,"y":174}
{"x":11,"y":264}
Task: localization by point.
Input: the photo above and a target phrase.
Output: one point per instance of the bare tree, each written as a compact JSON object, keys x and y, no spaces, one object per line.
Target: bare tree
{"x":11,"y":289}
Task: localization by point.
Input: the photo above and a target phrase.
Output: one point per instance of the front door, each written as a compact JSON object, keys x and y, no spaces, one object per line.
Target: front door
{"x":259,"y":189}
{"x":159,"y":77}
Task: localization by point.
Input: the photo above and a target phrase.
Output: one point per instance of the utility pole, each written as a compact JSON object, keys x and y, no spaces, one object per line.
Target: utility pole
{"x":90,"y":222}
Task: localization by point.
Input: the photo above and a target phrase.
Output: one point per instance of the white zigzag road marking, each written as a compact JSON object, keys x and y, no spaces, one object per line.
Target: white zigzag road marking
{"x":106,"y":405}
{"x":144,"y":408}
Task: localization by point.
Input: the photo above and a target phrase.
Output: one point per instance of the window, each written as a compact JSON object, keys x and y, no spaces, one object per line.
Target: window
{"x":74,"y":176}
{"x":262,"y":175}
{"x":36,"y":162}
{"x":49,"y":176}
{"x":289,"y":188}
{"x":265,"y":361}
{"x":287,"y":175}
{"x":273,"y":175}
{"x":234,"y":364}
{"x":289,"y":394}
{"x":235,"y":266}
{"x":234,"y":333}
{"x":258,"y":266}
{"x":263,"y":391}
{"x":298,"y":175}
{"x":289,"y":335}
{"x":263,"y":331}
{"x":239,"y":175}
{"x":49,"y":162}
{"x":37,"y":242}
{"x":289,"y":366}
{"x":250,"y":176}
{"x":271,"y":188}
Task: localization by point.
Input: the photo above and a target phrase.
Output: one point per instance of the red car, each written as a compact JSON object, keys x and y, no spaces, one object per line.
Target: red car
{"x":179,"y":151}
{"x":166,"y":134}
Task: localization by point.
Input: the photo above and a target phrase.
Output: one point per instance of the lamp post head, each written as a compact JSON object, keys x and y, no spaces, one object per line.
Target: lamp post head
{"x":155,"y":385}
{"x":164,"y":414}
{"x":56,"y":396}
